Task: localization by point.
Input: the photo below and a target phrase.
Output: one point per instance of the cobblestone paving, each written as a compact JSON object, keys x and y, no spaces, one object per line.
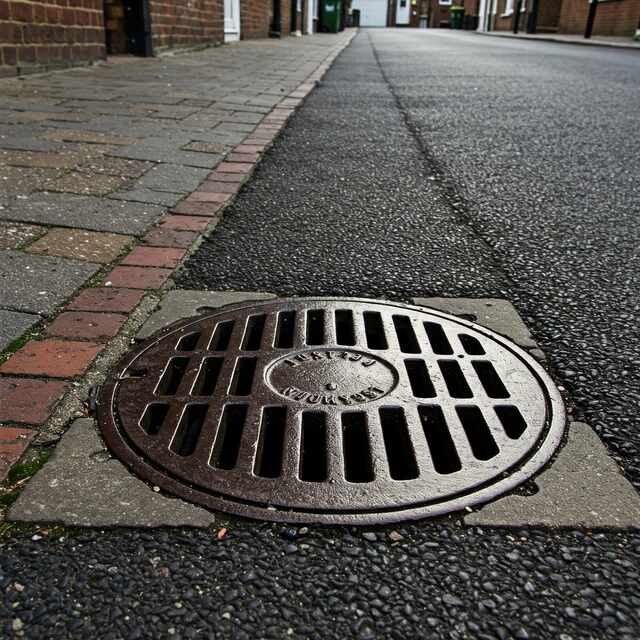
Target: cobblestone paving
{"x":91,"y":158}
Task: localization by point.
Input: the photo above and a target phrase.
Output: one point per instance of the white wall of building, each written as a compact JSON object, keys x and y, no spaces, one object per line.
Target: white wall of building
{"x":373,"y":13}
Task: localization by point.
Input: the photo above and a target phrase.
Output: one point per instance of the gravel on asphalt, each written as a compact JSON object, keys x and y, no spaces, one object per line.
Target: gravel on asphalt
{"x":263,"y":581}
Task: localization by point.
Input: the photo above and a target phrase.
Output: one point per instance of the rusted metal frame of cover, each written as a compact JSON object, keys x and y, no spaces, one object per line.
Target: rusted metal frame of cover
{"x":241,"y":492}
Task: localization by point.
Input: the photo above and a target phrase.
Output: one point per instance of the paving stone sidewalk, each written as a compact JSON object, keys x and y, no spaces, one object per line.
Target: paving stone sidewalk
{"x":108,"y":175}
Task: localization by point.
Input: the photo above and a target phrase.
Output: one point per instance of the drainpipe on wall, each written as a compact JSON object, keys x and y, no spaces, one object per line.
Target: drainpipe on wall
{"x":532,"y":21}
{"x":276,"y":23}
{"x":490,"y":14}
{"x":516,"y":16}
{"x":148,"y":36}
{"x":593,"y":7}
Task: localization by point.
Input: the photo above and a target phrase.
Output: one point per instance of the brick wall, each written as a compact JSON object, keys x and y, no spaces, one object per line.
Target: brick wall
{"x":51,"y":33}
{"x":285,"y":12}
{"x":255,"y":18}
{"x":438,"y":14}
{"x":549,"y":14}
{"x":186,"y":23}
{"x":505,"y":22}
{"x":114,"y":25}
{"x":615,"y":18}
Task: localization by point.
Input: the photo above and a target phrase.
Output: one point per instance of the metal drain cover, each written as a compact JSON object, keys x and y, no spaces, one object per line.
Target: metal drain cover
{"x":331,"y":410}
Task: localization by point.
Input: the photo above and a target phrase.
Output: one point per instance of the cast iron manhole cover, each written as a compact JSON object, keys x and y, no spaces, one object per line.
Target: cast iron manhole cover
{"x":331,"y":410}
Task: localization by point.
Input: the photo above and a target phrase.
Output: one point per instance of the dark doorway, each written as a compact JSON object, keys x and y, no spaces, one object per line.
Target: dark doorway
{"x":276,"y":20}
{"x":294,"y":16}
{"x":128,"y":27}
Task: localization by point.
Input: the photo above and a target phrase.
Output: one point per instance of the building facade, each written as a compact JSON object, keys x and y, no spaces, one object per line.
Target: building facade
{"x":439,"y":13}
{"x":613,"y":17}
{"x":414,"y":13}
{"x":44,"y":34}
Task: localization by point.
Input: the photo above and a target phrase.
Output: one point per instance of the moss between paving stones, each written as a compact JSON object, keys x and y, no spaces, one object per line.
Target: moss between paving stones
{"x":16,"y":477}
{"x":18,"y":343}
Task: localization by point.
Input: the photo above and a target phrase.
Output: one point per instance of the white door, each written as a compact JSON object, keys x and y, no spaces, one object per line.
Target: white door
{"x":402,"y":11}
{"x":312,"y":13}
{"x":482,"y":15}
{"x":231,"y":20}
{"x":373,"y":13}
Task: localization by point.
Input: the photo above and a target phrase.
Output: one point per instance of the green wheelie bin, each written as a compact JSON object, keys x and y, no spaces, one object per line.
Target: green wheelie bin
{"x":330,"y":16}
{"x":456,"y":17}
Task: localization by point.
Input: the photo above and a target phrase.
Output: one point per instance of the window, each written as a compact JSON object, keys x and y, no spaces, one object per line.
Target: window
{"x":445,"y":2}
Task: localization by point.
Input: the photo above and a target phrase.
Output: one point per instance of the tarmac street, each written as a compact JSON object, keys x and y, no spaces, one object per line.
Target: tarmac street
{"x":456,"y":165}
{"x":492,"y":178}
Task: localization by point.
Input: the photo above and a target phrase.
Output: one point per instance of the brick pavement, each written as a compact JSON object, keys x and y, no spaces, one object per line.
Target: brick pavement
{"x":108,"y":176}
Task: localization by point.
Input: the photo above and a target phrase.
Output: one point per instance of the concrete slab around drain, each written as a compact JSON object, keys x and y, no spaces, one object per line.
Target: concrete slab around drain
{"x":582,"y":488}
{"x":495,"y":314}
{"x":181,"y":304}
{"x":81,"y":485}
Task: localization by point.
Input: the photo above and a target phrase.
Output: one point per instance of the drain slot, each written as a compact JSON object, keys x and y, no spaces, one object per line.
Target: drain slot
{"x":221,"y":336}
{"x":229,"y":436}
{"x":511,"y":420}
{"x":271,"y":442}
{"x":315,"y":327}
{"x":345,"y":333}
{"x":188,"y":342}
{"x":172,"y":376}
{"x":313,"y":447}
{"x":208,"y":376}
{"x":253,"y":333}
{"x":457,"y":384}
{"x":285,"y":330}
{"x":471,"y":345}
{"x":243,"y":374}
{"x":478,"y":434}
{"x":187,"y":434}
{"x":419,"y":379}
{"x":437,"y":339}
{"x":374,"y":330}
{"x":153,"y":418}
{"x":406,"y":335}
{"x":355,"y":447}
{"x":490,"y":379}
{"x":443,"y":451}
{"x":397,"y":443}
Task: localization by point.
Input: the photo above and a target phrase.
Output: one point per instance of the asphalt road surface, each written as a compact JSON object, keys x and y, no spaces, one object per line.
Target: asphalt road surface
{"x":427,"y":163}
{"x":443,"y":164}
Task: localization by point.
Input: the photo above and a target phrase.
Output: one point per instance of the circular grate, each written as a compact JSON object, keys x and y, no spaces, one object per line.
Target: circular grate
{"x":331,"y":410}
